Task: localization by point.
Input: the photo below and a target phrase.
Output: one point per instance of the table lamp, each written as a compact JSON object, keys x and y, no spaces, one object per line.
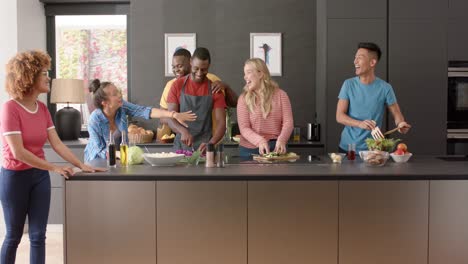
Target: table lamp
{"x":68,"y":119}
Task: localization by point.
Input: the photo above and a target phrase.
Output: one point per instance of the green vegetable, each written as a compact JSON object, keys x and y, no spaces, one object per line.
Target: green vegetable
{"x":195,"y":158}
{"x":271,"y":155}
{"x":135,"y":155}
{"x":386,"y":144}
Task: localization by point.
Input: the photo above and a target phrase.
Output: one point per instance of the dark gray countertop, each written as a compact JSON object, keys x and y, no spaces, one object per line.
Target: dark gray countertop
{"x":418,"y":168}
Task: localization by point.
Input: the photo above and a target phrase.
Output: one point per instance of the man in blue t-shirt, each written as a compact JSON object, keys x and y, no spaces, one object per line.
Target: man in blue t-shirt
{"x":362,"y":100}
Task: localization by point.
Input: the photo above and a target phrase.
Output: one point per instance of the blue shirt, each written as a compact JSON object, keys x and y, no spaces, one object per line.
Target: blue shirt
{"x":366,"y":102}
{"x":98,"y":128}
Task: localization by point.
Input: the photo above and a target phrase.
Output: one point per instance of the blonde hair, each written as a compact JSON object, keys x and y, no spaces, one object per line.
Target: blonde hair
{"x":266,"y":91}
{"x":22,"y":71}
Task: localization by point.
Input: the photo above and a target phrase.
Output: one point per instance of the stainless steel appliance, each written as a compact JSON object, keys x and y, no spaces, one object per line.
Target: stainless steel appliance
{"x":457,"y":112}
{"x":457,"y":108}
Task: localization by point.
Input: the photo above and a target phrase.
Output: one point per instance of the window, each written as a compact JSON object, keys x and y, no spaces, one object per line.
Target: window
{"x":89,"y":47}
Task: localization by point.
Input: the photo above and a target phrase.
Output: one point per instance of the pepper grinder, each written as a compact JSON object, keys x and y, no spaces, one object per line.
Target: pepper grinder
{"x":210,"y":159}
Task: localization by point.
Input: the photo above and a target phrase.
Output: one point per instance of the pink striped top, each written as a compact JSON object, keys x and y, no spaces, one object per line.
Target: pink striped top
{"x":255,"y":129}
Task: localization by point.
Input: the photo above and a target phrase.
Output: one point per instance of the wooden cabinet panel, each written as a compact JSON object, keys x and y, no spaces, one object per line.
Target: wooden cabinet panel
{"x":110,"y":222}
{"x":292,"y":222}
{"x":383,"y":222}
{"x":202,"y":222}
{"x":448,"y":235}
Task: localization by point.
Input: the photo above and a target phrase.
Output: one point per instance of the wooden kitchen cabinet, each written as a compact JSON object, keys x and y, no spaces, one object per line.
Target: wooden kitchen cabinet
{"x":292,"y":222}
{"x":112,"y":222}
{"x":202,"y":222}
{"x":383,"y":222}
{"x":448,"y":239}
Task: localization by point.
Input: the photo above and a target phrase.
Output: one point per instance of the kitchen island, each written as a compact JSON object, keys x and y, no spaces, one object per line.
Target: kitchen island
{"x":310,"y":211}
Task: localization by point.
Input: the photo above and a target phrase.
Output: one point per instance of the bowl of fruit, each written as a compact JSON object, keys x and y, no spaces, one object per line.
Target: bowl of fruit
{"x":401,"y":154}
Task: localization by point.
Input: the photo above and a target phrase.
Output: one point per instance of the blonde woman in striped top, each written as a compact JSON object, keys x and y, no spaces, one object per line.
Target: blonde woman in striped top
{"x":263,"y":112}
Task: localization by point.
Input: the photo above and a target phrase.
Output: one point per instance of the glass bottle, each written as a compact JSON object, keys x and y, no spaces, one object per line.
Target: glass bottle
{"x":111,"y":151}
{"x":123,"y":150}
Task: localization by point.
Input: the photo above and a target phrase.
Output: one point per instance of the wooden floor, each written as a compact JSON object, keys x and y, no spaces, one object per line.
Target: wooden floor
{"x":54,"y":246}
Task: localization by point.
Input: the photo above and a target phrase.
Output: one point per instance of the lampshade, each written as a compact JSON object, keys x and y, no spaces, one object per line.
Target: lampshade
{"x":68,"y":119}
{"x":67,"y":91}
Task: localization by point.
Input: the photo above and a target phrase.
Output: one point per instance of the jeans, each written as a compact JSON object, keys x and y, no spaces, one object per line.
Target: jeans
{"x":247,"y":152}
{"x":25,"y":193}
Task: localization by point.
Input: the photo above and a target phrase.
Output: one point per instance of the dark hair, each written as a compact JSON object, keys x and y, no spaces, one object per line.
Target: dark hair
{"x":182,"y":52}
{"x":99,"y":95}
{"x":22,"y":71}
{"x":372,"y":47}
{"x":202,"y":54}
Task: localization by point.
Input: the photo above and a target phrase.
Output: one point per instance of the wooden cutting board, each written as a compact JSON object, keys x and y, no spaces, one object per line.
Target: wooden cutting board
{"x":284,"y":157}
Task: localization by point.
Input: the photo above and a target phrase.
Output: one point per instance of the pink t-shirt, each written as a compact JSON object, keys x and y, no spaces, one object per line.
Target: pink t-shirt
{"x":33,"y":127}
{"x":254,"y":128}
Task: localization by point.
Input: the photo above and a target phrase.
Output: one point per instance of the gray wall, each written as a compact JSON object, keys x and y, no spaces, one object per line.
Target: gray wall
{"x":224,"y":27}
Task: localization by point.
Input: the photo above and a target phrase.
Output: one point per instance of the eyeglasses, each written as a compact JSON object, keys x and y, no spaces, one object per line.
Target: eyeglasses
{"x":45,"y":73}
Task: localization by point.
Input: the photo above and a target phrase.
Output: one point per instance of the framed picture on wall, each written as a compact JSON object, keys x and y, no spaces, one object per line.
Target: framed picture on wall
{"x":175,"y":41}
{"x":267,"y":46}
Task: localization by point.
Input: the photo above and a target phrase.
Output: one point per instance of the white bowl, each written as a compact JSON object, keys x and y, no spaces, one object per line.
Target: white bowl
{"x":163,"y":159}
{"x":336,"y":157}
{"x":401,"y":158}
{"x":374,"y":158}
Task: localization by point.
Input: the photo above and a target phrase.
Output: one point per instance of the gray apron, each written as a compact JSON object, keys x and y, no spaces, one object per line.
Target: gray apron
{"x":202,"y":106}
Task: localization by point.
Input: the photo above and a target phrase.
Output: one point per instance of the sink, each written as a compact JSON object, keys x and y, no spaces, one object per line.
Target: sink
{"x":454,"y":158}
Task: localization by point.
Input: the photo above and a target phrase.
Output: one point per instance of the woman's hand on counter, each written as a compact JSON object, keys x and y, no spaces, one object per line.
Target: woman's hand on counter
{"x":65,"y":171}
{"x":87,"y":168}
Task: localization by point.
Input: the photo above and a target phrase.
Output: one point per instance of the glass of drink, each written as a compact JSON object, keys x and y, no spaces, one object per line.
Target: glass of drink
{"x":351,"y":151}
{"x":297,"y":134}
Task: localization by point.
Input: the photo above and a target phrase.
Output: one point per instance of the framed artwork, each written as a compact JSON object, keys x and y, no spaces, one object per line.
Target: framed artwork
{"x":175,"y":41}
{"x":267,"y":46}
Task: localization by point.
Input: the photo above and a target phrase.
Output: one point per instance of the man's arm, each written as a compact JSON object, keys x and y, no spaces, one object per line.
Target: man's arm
{"x":186,"y":137}
{"x":220,"y":117}
{"x":343,"y":118}
{"x":399,"y":118}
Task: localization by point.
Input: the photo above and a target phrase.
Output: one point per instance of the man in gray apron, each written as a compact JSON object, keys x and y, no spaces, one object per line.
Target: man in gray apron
{"x":202,"y":103}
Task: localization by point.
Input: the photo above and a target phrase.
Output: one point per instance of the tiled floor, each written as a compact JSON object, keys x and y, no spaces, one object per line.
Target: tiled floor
{"x":54,"y":246}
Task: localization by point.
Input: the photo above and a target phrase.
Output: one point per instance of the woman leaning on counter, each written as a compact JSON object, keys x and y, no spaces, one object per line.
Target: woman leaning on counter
{"x":263,"y":112}
{"x":26,"y":125}
{"x":111,"y":115}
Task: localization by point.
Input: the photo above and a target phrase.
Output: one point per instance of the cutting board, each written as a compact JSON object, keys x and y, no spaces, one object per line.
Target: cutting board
{"x":284,"y":157}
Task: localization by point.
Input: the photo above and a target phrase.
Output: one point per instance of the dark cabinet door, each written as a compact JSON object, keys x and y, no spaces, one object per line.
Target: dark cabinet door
{"x":357,"y":9}
{"x":418,"y":74}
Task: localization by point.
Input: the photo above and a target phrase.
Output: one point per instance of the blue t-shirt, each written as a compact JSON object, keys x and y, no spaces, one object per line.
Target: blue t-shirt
{"x":98,"y":128}
{"x":366,"y":101}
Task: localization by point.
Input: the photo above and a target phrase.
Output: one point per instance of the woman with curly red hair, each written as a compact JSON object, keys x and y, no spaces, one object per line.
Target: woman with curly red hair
{"x":26,"y":125}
